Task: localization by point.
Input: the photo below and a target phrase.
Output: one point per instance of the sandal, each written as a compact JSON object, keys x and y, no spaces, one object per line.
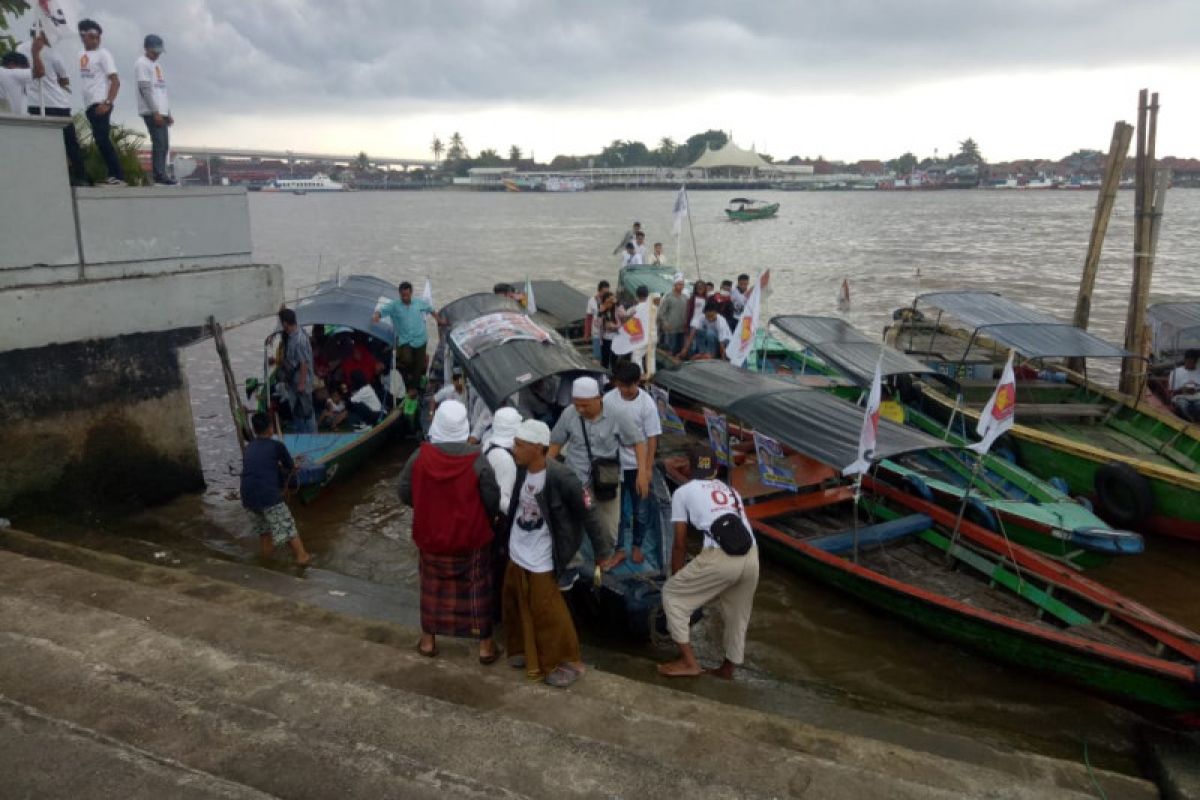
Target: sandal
{"x":563,"y":676}
{"x":427,"y":653}
{"x":488,"y":660}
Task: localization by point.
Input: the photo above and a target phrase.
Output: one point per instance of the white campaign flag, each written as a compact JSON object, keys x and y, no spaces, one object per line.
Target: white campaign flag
{"x":680,"y":211}
{"x":427,"y":292}
{"x":870,"y":430}
{"x":746,"y":330}
{"x":56,"y":19}
{"x":634,"y":334}
{"x":530,"y":303}
{"x":1000,"y":412}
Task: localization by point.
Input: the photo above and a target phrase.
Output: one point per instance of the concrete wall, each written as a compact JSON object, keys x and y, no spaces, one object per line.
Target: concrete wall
{"x":37,"y":220}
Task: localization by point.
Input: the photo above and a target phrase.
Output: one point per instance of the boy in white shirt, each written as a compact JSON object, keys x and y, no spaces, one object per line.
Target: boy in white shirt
{"x":15,"y":79}
{"x":711,"y":507}
{"x":100,"y":84}
{"x":153,"y":106}
{"x":638,"y":405}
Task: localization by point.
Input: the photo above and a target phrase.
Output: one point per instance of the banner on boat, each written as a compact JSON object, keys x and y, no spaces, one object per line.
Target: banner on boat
{"x":774,"y":469}
{"x":495,"y":329}
{"x":633,"y":336}
{"x":671,"y":423}
{"x":1000,"y":412}
{"x":744,"y":334}
{"x":718,"y":435}
{"x":870,"y":430}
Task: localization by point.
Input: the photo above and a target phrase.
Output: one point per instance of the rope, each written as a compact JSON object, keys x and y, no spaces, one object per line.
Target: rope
{"x":1087,"y":762}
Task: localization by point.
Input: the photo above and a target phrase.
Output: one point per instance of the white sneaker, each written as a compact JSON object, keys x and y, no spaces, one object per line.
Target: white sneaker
{"x":114,"y":182}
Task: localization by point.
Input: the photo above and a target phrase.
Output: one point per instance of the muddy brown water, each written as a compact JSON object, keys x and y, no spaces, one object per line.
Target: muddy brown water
{"x":813,"y":653}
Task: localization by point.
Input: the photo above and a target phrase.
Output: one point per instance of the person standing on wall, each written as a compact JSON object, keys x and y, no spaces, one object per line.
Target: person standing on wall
{"x":53,"y":92}
{"x":153,"y":105}
{"x":100,"y":85}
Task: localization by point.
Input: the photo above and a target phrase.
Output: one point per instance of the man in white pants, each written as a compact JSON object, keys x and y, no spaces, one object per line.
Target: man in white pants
{"x":713,"y":574}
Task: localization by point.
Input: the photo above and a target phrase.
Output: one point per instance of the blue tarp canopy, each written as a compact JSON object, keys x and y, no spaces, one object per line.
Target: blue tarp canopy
{"x":1176,"y":326}
{"x":1031,"y":333}
{"x":349,"y":302}
{"x":847,"y":350}
{"x":814,"y":423}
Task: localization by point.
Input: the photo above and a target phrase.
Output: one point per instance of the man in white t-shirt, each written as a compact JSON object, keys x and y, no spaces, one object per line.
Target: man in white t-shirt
{"x":639,"y":245}
{"x":153,"y":106}
{"x":708,"y":334}
{"x":15,"y":79}
{"x":631,"y":257}
{"x":1185,"y":387}
{"x":99,"y":84}
{"x":713,"y":574}
{"x":740,"y":294}
{"x":52,"y":92}
{"x":640,"y":407}
{"x":592,"y":326}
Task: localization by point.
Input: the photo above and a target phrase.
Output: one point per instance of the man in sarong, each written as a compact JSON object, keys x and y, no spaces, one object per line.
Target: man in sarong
{"x":453,"y":493}
{"x":550,"y":512}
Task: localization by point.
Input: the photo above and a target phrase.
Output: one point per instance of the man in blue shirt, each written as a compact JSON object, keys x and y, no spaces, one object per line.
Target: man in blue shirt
{"x":408,"y":325}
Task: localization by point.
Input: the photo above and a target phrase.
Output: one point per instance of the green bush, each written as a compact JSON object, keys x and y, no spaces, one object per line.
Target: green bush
{"x":126,"y":140}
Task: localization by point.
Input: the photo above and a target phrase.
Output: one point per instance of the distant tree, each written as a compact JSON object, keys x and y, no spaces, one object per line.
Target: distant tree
{"x":487,"y":158}
{"x":666,"y":152}
{"x":561,"y":163}
{"x":9,"y":8}
{"x":623,"y":153}
{"x":362,"y":163}
{"x":514,"y":155}
{"x":697,"y":144}
{"x":458,"y":150}
{"x":903,"y":165}
{"x":437,"y":148}
{"x":968,"y":152}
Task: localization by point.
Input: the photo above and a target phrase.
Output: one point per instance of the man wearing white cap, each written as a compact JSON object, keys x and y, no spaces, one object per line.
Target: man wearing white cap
{"x":497,"y":448}
{"x":590,"y":436}
{"x":453,"y":493}
{"x":672,"y":317}
{"x":550,"y":512}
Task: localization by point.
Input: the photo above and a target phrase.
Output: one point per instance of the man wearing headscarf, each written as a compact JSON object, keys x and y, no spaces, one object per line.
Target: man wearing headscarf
{"x":453,"y":493}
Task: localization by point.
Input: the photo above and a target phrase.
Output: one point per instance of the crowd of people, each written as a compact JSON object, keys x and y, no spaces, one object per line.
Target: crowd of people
{"x":35,"y":80}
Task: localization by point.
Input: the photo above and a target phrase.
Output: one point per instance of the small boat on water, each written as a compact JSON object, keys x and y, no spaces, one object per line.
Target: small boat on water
{"x":1034,"y":512}
{"x":338,"y":316}
{"x":317,"y":183}
{"x":746,"y":208}
{"x":1138,"y":463}
{"x":901,"y":554}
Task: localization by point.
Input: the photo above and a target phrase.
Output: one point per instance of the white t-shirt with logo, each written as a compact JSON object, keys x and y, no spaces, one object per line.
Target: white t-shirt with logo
{"x":94,"y":68}
{"x":719,"y":325}
{"x":151,"y":72}
{"x":644,"y":414}
{"x":529,"y":542}
{"x":53,"y":95}
{"x":1182,"y":376}
{"x":701,"y":502}
{"x":13,"y":85}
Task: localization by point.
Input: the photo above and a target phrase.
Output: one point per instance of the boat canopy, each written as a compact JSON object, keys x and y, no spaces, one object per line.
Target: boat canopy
{"x":505,"y":351}
{"x":349,"y":302}
{"x":1031,"y":333}
{"x":565,"y":304}
{"x":476,"y":305}
{"x":848,"y":350}
{"x":743,"y":200}
{"x":1176,"y":326}
{"x":656,"y":279}
{"x":811,"y":422}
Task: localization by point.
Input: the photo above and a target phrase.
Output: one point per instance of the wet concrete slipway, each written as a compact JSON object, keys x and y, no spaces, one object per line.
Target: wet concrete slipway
{"x":152,"y":654}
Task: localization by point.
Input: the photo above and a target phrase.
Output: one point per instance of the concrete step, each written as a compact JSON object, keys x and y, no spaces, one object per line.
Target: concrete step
{"x":324,"y":681}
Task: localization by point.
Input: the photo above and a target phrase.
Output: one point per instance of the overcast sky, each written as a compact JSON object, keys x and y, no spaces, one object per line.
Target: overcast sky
{"x":846,"y":79}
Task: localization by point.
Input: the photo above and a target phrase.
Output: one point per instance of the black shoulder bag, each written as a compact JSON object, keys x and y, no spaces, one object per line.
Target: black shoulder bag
{"x":606,"y":472}
{"x":730,"y":532}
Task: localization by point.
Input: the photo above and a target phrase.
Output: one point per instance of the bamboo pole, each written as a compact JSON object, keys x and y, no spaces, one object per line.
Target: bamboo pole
{"x":240,"y":423}
{"x":1133,"y":369}
{"x":1117,"y":150}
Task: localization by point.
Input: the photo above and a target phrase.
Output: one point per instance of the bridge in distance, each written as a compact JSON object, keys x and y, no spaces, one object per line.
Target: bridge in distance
{"x":292,"y":157}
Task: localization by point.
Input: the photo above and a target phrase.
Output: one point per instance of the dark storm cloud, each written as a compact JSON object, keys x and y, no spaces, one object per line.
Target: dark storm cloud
{"x":403,"y":55}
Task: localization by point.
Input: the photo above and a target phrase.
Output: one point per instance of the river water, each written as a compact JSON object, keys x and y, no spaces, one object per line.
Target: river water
{"x":812,"y":653}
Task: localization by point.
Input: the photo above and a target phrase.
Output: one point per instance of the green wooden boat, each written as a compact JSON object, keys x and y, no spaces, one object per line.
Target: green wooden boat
{"x":898,"y":553}
{"x":1004,"y":497}
{"x":745,"y":208}
{"x":1139,"y":463}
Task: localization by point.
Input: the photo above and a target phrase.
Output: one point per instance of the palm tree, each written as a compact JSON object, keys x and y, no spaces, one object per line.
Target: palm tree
{"x":968,"y":150}
{"x":362,"y":163}
{"x":514,"y":155}
{"x":438,"y":148}
{"x":458,"y":150}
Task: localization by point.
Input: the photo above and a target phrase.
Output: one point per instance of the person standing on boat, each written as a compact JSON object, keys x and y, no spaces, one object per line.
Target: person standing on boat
{"x":1185,"y":387}
{"x":266,"y":466}
{"x":550,"y":512}
{"x":407,"y":316}
{"x":454,"y":497}
{"x":672,"y":317}
{"x":610,"y":317}
{"x":153,"y":107}
{"x":632,"y":257}
{"x":695,"y":307}
{"x":639,"y":244}
{"x":726,"y":569}
{"x":637,"y":404}
{"x":590,"y":436}
{"x":658,"y":259}
{"x":740,"y":294}
{"x":708,"y":335}
{"x":297,"y":369}
{"x":591,"y":325}
{"x":100,"y":85}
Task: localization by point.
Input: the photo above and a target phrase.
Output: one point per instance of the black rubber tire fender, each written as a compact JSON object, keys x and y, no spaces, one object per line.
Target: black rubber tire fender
{"x":1124,"y":498}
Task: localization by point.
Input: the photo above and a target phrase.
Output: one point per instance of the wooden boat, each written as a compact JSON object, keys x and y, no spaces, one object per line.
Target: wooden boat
{"x":899,"y":553}
{"x":745,"y":208}
{"x":328,"y":456}
{"x":1034,"y":512}
{"x":1139,"y":464}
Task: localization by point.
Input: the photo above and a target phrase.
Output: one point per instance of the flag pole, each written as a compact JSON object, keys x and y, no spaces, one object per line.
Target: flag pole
{"x":962,"y":508}
{"x":692,"y":231}
{"x":857,"y":498}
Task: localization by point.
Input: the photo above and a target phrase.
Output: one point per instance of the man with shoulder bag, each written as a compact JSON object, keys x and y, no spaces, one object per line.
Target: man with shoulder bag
{"x":726,"y":569}
{"x":590,"y":435}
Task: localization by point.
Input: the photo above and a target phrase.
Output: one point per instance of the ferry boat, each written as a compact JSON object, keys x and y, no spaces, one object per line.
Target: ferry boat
{"x":317,"y":183}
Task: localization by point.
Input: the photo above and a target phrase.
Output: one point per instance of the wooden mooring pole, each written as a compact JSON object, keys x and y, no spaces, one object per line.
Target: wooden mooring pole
{"x":1149,"y":198}
{"x":240,"y":423}
{"x":1117,"y":150}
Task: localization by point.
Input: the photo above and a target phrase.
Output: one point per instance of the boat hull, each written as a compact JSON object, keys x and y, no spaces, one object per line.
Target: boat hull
{"x":758,"y":213}
{"x":343,"y":462}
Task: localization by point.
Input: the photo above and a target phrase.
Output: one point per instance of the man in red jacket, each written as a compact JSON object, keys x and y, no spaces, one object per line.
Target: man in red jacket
{"x":453,"y":493}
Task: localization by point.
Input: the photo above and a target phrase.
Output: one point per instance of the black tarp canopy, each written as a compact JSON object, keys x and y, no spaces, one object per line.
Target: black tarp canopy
{"x":476,"y":305}
{"x":1176,"y":326}
{"x":847,"y":350}
{"x":813,"y":423}
{"x":1031,"y":333}
{"x":505,"y":351}
{"x":349,"y":302}
{"x":562,"y":304}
